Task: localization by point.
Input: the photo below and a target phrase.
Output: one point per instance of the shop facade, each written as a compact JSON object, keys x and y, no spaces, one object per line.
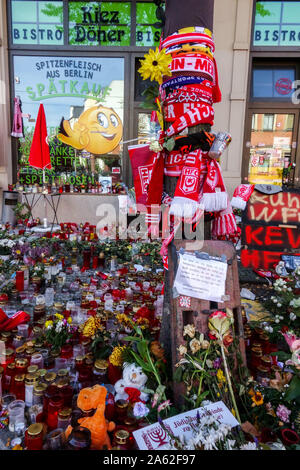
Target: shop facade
{"x":73,"y":56}
{"x":271,"y":151}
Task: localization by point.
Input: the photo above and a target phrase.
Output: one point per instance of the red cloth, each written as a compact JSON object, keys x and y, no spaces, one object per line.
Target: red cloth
{"x":17,"y":129}
{"x":133,"y":394}
{"x":39,"y":152}
{"x":7,"y":324}
{"x":142,"y":160}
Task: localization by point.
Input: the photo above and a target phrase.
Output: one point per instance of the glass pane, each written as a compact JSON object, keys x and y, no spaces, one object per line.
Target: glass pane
{"x":277,"y":24}
{"x":144,"y":120}
{"x":37,"y":22}
{"x":146,"y":34}
{"x":271,"y":147}
{"x":83,"y":100}
{"x":99,"y":23}
{"x":270,"y":82}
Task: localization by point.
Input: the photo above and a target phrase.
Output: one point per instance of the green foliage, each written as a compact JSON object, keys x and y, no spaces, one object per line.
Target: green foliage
{"x":150,"y":94}
{"x":261,"y":10}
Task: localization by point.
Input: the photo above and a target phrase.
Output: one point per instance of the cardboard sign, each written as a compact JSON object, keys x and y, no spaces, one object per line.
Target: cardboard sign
{"x":201,"y":278}
{"x":270,"y":228}
{"x":154,"y":437}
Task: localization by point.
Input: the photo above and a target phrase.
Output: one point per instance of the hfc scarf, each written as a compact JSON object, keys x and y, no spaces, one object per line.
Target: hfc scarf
{"x":242,"y":195}
{"x":201,"y":115}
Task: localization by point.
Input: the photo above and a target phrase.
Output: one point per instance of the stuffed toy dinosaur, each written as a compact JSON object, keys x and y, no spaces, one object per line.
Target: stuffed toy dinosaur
{"x":94,"y":398}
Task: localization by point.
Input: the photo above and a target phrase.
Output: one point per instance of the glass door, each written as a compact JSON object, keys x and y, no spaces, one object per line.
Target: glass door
{"x":272,"y":146}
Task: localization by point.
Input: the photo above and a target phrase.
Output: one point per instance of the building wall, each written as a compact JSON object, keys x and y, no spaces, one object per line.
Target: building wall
{"x":5,"y":139}
{"x":232,"y":29}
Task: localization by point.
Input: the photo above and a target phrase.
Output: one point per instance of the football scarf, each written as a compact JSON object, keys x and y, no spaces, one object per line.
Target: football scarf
{"x":242,"y":195}
{"x":201,"y":115}
{"x":214,"y":196}
{"x":186,"y":195}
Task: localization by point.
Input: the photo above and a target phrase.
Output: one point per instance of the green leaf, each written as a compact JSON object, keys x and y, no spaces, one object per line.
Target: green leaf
{"x":142,"y":348}
{"x":293,"y":390}
{"x":132,"y":338}
{"x":282,"y":355}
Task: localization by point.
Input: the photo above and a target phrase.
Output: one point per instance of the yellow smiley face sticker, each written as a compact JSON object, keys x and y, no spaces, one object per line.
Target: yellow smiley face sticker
{"x":98,"y":130}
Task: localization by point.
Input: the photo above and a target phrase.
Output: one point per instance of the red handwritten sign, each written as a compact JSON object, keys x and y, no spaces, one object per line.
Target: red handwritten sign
{"x":270,"y":228}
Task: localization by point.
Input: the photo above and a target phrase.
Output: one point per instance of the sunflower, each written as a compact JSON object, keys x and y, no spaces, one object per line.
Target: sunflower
{"x":257,"y":399}
{"x":155,"y":65}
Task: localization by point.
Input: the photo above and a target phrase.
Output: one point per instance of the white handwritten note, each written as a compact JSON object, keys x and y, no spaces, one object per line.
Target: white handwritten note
{"x":201,"y":278}
{"x":155,"y":437}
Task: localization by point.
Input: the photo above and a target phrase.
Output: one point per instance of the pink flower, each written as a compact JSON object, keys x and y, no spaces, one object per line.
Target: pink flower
{"x":283,"y":413}
{"x":163,"y":406}
{"x":292,"y":341}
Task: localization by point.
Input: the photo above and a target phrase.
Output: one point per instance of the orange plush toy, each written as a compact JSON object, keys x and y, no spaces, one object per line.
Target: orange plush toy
{"x":94,"y":398}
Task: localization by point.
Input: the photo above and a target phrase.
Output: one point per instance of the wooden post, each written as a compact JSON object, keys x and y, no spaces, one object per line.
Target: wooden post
{"x":182,"y":14}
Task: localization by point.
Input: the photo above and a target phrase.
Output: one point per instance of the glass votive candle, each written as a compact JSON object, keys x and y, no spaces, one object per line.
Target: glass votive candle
{"x":55,"y":439}
{"x":61,"y":363}
{"x":66,"y":351}
{"x":56,"y":404}
{"x":18,"y":386}
{"x":23,"y":330}
{"x":16,"y":414}
{"x":34,"y":437}
{"x":38,"y":394}
{"x":64,"y":418}
{"x":7,"y":399}
{"x":37,"y":360}
{"x":78,"y":350}
{"x":79,"y":439}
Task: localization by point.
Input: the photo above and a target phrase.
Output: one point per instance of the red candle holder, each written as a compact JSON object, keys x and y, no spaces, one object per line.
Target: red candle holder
{"x":289,"y":437}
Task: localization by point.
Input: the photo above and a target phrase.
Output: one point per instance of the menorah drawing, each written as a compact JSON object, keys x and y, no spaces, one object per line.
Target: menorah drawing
{"x":159,"y":436}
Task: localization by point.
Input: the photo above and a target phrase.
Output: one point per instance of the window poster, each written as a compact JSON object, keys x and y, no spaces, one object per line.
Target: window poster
{"x":83,"y":100}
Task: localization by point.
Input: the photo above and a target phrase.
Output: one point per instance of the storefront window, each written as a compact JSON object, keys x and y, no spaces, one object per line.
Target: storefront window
{"x":277,"y":24}
{"x":83,"y":100}
{"x":273,"y":82}
{"x":37,"y":22}
{"x":99,"y":23}
{"x":89,"y":23}
{"x":271,"y":147}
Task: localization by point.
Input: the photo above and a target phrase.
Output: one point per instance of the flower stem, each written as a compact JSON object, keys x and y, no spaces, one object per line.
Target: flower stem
{"x":229,"y":384}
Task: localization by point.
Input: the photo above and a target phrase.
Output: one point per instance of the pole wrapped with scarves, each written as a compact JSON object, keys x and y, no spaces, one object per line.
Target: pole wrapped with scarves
{"x":181,"y":168}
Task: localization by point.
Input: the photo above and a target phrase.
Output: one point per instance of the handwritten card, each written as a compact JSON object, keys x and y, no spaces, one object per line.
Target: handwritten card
{"x":201,"y":278}
{"x":154,"y":437}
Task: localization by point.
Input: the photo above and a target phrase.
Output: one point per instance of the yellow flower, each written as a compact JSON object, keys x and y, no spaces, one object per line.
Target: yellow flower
{"x":69,"y":320}
{"x":116,"y":357}
{"x":48,"y":323}
{"x":155,"y":65}
{"x":90,"y":327}
{"x":220,"y":376}
{"x":59,"y":316}
{"x":233,"y":412}
{"x":257,"y":399}
{"x":189,"y":330}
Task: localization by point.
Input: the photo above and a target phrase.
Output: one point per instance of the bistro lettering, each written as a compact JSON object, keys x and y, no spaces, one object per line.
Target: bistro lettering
{"x":273,"y":36}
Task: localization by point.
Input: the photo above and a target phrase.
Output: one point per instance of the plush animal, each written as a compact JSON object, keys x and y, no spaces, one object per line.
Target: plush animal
{"x":133,"y":377}
{"x":94,"y":398}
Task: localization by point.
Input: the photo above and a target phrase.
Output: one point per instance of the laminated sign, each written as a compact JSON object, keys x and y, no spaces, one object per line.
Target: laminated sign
{"x":201,"y":278}
{"x":154,"y":437}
